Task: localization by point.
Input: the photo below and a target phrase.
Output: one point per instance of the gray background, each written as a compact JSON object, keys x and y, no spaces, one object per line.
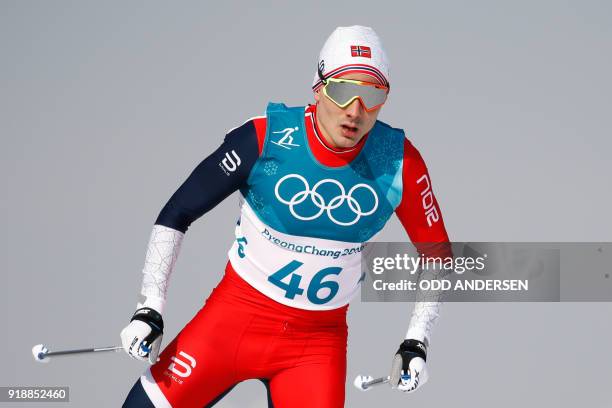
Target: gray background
{"x":105,"y":107}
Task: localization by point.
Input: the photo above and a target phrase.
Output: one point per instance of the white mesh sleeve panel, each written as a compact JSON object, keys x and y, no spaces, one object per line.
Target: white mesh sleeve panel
{"x":162,"y":253}
{"x":424,"y":317}
{"x":427,"y":307}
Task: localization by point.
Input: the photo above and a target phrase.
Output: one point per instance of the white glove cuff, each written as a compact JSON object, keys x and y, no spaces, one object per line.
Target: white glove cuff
{"x":154,"y":303}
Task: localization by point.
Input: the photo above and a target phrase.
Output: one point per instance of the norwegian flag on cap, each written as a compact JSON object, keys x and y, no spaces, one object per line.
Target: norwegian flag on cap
{"x":361,"y":51}
{"x":367,"y":56}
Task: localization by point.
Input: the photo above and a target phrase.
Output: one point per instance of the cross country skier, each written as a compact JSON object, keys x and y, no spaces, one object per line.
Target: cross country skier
{"x":316,"y":183}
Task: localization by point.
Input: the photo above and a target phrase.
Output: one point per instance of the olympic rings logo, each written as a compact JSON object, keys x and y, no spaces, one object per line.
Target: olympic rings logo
{"x":318,"y":200}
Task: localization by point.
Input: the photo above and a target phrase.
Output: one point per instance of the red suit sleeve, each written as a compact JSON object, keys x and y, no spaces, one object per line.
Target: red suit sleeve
{"x":418,"y":210}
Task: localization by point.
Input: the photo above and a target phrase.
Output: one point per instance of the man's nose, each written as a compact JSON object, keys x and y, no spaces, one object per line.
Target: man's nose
{"x":355,"y":108}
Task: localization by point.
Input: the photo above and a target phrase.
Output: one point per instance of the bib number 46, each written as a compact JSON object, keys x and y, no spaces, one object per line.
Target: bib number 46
{"x":292,"y":288}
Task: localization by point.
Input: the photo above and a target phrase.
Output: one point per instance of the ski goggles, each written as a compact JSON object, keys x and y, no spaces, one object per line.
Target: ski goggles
{"x":344,"y":91}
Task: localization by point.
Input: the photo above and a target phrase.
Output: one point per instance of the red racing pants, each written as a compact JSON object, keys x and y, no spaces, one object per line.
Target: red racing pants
{"x":241,"y":334}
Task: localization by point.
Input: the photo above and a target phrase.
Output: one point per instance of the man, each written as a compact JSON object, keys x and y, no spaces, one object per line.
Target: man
{"x":316,"y":183}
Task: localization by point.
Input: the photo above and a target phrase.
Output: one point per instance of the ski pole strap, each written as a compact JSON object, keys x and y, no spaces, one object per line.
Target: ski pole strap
{"x":411,"y":348}
{"x":151,"y":317}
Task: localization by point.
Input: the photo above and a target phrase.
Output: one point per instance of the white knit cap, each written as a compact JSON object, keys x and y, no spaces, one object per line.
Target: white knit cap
{"x":352,"y":49}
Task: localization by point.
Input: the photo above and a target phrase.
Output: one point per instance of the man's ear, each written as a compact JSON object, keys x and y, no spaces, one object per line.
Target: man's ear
{"x":317,"y":94}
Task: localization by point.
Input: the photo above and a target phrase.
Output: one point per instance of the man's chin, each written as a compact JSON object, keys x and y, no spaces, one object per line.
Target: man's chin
{"x":345,"y":142}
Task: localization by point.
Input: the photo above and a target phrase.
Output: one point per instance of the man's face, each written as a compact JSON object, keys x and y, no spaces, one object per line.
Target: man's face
{"x":344,"y":128}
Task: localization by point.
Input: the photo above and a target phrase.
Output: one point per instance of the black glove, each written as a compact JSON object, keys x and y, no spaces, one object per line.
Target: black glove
{"x":408,"y":370}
